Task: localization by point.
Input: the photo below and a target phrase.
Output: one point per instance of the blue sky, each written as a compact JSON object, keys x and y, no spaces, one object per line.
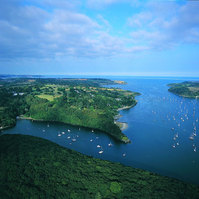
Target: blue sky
{"x":99,"y":37}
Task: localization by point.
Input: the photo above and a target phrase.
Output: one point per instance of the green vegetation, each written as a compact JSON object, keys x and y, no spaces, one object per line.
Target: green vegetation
{"x":185,"y":89}
{"x":81,"y":102}
{"x":32,"y":167}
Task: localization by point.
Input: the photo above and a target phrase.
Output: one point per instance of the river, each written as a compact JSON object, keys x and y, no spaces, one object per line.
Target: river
{"x":159,"y":127}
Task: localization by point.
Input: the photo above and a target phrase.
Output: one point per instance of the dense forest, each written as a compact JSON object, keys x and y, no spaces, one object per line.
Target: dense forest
{"x":32,"y":167}
{"x":185,"y":89}
{"x":82,"y":102}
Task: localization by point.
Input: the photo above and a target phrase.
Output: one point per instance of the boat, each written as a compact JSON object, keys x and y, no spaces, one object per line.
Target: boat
{"x":92,"y":131}
{"x":68,"y":137}
{"x":110,"y":144}
{"x":69,"y":130}
{"x":59,"y":134}
{"x":101,"y":152}
{"x":44,"y":130}
{"x":191,"y":137}
{"x":98,"y":146}
{"x":172,"y":129}
{"x":63,"y":133}
{"x":174,"y":146}
{"x":91,"y":140}
{"x":194,"y":149}
{"x":74,"y":140}
{"x":177,"y":144}
{"x":124,"y":154}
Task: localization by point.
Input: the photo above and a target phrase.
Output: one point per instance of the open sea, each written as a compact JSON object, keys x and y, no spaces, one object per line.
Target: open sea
{"x":159,"y":126}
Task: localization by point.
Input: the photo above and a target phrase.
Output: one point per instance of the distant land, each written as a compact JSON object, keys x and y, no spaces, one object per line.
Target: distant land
{"x":81,"y":102}
{"x":189,"y":89}
{"x":32,"y":167}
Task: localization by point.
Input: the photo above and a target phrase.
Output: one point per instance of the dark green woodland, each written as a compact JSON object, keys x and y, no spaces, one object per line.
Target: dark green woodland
{"x":185,"y":89}
{"x":32,"y":167}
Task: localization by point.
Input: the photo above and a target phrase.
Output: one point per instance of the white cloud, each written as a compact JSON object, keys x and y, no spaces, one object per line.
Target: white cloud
{"x":30,"y":31}
{"x":104,"y":3}
{"x":164,"y":25}
{"x":38,"y":30}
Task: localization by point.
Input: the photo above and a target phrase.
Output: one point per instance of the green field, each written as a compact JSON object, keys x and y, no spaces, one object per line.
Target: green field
{"x":48,"y":97}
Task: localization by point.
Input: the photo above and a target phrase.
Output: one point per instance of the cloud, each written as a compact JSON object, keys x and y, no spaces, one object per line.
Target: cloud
{"x":164,"y":25}
{"x":54,"y":29}
{"x":30,"y":31}
{"x":98,"y":4}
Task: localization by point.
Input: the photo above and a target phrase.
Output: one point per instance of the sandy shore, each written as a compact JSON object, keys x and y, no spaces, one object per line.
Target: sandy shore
{"x":123,"y":125}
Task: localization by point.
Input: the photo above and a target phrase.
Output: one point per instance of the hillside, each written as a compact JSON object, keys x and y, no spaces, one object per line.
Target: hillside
{"x":81,"y":102}
{"x":31,"y":167}
{"x":185,"y":89}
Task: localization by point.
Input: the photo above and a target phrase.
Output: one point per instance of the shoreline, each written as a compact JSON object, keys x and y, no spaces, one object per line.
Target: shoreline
{"x":123,"y":125}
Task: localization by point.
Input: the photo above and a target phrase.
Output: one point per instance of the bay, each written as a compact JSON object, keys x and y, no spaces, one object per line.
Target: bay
{"x":160,"y":121}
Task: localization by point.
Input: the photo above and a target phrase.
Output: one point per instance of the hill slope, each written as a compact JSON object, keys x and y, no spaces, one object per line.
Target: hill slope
{"x":31,"y":167}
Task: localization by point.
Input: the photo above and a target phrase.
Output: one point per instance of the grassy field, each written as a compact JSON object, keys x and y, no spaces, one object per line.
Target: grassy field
{"x":48,"y":97}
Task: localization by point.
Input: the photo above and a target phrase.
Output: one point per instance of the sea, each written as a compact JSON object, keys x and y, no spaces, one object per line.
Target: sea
{"x":163,"y":129}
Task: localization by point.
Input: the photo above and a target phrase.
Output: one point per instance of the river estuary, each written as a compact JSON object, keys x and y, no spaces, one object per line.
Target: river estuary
{"x":159,"y":126}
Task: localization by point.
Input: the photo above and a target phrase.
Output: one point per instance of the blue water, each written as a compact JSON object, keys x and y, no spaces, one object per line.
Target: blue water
{"x":150,"y":125}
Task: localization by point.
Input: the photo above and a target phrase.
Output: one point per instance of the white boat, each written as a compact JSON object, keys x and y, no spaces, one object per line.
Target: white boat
{"x":191,"y":137}
{"x":174,"y":146}
{"x":63,"y":133}
{"x":92,"y":131}
{"x":68,"y":137}
{"x":44,"y":130}
{"x":74,"y":140}
{"x":101,"y":152}
{"x":98,"y":146}
{"x":59,"y":134}
{"x":110,"y":144}
{"x":69,"y":130}
{"x":194,"y":149}
{"x":177,"y":144}
{"x":124,"y":154}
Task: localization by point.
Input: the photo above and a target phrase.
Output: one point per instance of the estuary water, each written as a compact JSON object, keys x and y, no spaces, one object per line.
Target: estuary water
{"x":163,"y":128}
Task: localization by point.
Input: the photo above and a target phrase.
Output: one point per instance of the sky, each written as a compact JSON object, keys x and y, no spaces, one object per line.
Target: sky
{"x":99,"y":37}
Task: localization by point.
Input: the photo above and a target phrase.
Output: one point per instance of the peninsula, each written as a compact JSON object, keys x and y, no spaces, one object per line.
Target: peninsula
{"x":189,"y":89}
{"x":82,"y":102}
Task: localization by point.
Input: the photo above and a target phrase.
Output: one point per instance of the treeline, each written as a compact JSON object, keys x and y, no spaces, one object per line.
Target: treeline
{"x":32,"y":167}
{"x":10,"y":107}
